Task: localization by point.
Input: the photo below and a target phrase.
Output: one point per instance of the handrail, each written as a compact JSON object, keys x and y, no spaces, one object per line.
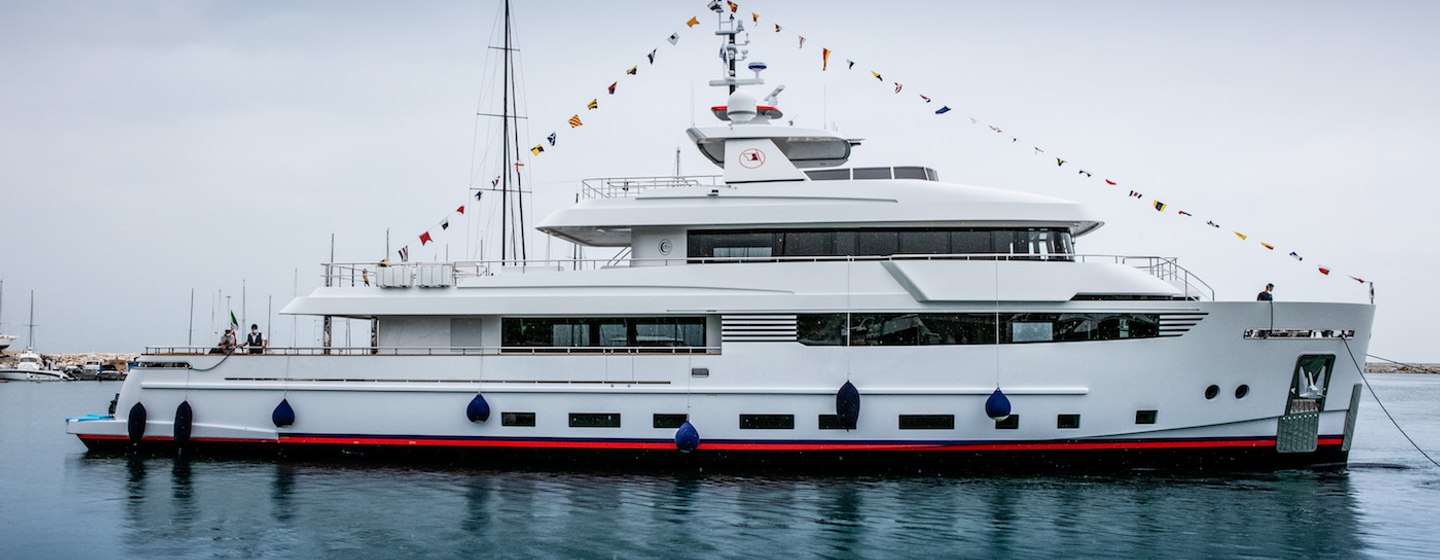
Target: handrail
{"x":441,"y":274}
{"x":625,"y":187}
{"x":430,"y":350}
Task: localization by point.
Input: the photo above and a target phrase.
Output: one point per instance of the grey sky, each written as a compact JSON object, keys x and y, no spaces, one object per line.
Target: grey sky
{"x":147,"y":148}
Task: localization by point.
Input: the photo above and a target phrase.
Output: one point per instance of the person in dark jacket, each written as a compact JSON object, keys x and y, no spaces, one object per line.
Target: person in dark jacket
{"x":254,"y":341}
{"x":1267,"y":295}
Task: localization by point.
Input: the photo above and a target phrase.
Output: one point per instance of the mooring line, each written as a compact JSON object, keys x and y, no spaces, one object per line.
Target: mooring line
{"x":1361,"y":369}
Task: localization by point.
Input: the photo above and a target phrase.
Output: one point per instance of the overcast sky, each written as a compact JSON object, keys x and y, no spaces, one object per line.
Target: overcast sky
{"x":148,"y":148}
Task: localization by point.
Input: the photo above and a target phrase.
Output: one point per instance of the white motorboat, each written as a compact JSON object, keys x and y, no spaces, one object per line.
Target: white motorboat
{"x":789,"y":310}
{"x":30,"y":366}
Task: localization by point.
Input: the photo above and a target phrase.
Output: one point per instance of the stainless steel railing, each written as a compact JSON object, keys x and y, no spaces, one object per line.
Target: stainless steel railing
{"x":444,"y":274}
{"x":432,"y":351}
{"x":625,"y":187}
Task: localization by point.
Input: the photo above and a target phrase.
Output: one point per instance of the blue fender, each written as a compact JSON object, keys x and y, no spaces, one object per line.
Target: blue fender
{"x":478,"y":410}
{"x":135,"y":424}
{"x":283,"y":415}
{"x":997,"y":407}
{"x":847,"y":406}
{"x":184,"y":417}
{"x":687,"y":438}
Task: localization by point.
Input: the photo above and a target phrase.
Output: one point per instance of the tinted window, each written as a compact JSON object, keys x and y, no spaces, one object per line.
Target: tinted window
{"x":872,"y":173}
{"x":971,"y":242}
{"x":607,"y":332}
{"x":809,"y":244}
{"x":877,"y":243}
{"x":910,"y":173}
{"x":925,"y":329}
{"x":821,"y":329}
{"x":925,"y":242}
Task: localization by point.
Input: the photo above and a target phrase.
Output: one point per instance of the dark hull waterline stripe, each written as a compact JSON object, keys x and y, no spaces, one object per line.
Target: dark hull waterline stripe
{"x":796,"y":446}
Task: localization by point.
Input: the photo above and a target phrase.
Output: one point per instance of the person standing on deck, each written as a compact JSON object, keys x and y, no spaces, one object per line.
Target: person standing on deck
{"x":1267,"y":295}
{"x":254,"y":340}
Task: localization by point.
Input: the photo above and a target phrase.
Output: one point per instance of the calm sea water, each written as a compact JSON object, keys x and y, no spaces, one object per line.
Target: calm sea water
{"x":58,"y":502}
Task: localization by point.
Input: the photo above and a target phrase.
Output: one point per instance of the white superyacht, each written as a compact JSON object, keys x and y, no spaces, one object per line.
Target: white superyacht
{"x":789,"y":310}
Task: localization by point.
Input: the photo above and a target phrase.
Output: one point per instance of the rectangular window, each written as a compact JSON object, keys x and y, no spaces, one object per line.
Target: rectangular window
{"x":1010,"y":423}
{"x":971,"y":242}
{"x":885,"y":329}
{"x":829,"y":174}
{"x":910,"y":173}
{"x":827,"y":329}
{"x":537,"y":334}
{"x":925,"y":329}
{"x":1067,"y":421}
{"x":519,"y":419}
{"x":1030,"y":243}
{"x":830,"y":422}
{"x":877,"y":243}
{"x":1145,"y":416}
{"x":594,"y":420}
{"x":670,"y":421}
{"x":927,"y":421}
{"x":921,"y":242}
{"x":809,"y":244}
{"x":767,"y":421}
{"x":872,"y":173}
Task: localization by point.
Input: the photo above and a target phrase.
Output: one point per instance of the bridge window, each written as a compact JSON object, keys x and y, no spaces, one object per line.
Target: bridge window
{"x":1030,"y":243}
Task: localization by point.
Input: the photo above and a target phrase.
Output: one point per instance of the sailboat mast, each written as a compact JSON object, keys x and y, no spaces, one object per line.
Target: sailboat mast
{"x":505,"y":138}
{"x":30,"y":337}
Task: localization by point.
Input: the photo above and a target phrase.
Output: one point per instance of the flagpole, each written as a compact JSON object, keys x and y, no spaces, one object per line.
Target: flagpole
{"x":325,"y":333}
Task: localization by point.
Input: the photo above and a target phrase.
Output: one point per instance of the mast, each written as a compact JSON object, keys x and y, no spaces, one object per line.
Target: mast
{"x":505,"y":138}
{"x":30,"y":337}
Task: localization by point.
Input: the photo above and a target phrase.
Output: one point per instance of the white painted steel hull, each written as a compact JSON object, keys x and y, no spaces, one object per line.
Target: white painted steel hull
{"x":418,"y":401}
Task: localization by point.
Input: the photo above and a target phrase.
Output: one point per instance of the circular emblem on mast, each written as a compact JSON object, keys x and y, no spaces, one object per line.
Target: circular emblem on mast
{"x":752,"y":158}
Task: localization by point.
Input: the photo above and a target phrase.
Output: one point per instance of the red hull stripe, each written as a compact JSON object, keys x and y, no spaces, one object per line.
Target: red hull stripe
{"x":1327,"y":441}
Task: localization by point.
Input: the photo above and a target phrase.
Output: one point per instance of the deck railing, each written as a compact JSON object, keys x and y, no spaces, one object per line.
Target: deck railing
{"x":445,"y":274}
{"x":626,"y":187}
{"x":432,"y":351}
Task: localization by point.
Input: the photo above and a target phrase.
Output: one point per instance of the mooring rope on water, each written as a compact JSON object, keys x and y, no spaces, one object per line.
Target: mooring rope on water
{"x":1361,"y":369}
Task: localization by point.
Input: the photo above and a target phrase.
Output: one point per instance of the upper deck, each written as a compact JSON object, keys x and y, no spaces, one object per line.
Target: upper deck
{"x":612,"y":210}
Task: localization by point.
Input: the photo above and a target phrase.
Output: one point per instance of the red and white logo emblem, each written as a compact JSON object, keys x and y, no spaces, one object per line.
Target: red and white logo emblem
{"x":752,"y":158}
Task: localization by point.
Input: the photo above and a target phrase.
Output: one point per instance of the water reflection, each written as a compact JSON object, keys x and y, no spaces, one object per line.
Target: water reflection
{"x":223,"y":508}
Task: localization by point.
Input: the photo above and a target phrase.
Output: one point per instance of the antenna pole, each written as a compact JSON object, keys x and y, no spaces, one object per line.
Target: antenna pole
{"x":731,"y":53}
{"x":190,"y":334}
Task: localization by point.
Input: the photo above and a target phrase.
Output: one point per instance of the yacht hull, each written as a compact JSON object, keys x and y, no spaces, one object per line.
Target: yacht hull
{"x":1210,"y":398}
{"x":31,"y":375}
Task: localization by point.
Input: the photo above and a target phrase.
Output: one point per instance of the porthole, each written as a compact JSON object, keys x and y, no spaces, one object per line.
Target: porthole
{"x":1211,"y":392}
{"x":1241,"y":391}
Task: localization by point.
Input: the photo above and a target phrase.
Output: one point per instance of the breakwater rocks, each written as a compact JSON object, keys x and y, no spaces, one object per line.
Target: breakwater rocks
{"x":1376,"y":367}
